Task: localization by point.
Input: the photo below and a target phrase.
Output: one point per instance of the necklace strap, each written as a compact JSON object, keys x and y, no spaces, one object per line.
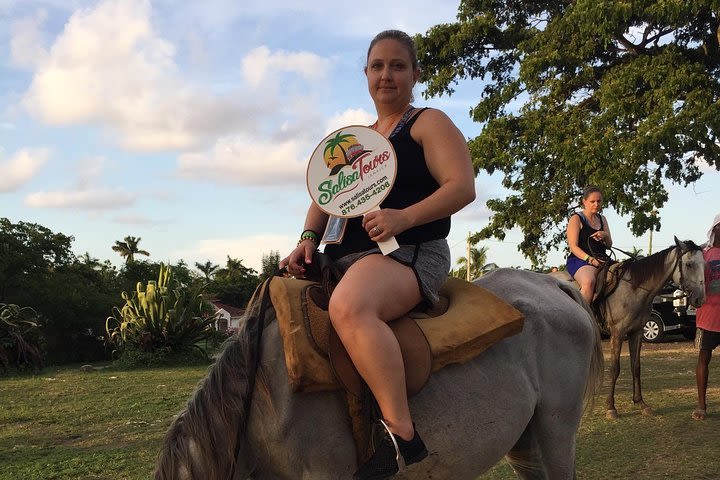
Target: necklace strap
{"x":403,"y":121}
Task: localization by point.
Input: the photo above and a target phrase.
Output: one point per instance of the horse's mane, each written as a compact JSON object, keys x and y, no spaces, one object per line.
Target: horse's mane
{"x":201,"y":441}
{"x":645,"y":269}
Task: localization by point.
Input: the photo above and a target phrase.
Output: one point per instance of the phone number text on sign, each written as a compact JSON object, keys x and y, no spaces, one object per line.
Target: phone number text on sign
{"x":365,"y":195}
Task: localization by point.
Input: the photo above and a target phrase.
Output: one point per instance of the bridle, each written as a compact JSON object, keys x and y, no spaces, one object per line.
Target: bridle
{"x":611,"y":256}
{"x":678,"y":265}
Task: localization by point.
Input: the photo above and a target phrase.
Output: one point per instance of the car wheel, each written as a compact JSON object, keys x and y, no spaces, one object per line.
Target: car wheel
{"x":654,"y":328}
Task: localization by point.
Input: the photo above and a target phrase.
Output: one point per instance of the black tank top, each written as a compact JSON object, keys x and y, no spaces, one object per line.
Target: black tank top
{"x":413,"y":182}
{"x":587,"y":244}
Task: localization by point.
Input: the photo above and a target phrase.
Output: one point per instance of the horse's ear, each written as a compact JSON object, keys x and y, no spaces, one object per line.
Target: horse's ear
{"x":681,"y":245}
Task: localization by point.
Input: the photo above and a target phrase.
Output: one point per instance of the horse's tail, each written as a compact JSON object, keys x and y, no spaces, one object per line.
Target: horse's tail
{"x":204,"y":440}
{"x":596,"y":371}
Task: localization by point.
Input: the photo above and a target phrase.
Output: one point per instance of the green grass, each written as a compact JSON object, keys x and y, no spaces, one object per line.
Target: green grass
{"x":109,"y":424}
{"x":66,"y":424}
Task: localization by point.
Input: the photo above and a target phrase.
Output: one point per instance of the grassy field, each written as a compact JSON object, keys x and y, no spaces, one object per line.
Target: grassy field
{"x":68,"y":424}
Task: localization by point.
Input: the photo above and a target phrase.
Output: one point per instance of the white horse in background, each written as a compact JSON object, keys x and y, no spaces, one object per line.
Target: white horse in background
{"x":522,"y":398}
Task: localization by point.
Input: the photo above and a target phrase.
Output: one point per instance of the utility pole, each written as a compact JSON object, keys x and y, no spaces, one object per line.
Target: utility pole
{"x":467,"y":274}
{"x":653,"y":213}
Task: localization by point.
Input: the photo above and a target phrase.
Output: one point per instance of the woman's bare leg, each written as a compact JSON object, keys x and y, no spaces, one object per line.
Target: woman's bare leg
{"x":373,"y":291}
{"x":585,"y":277}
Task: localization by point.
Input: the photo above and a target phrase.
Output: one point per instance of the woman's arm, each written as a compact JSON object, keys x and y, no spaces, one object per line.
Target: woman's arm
{"x":573,"y":237}
{"x":315,"y":220}
{"x":448,"y":159}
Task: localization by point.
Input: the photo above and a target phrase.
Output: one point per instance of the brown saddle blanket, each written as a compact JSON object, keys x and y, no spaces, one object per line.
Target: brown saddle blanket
{"x":470,"y":319}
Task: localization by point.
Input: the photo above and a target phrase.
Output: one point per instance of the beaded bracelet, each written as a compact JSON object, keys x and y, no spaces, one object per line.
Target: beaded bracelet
{"x":309,"y":235}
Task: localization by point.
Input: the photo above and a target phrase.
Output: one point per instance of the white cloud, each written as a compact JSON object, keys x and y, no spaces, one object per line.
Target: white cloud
{"x":26,"y":44}
{"x":249,"y":249}
{"x":89,"y":170}
{"x":281,"y":160}
{"x":21,"y":167}
{"x":262,"y":65}
{"x":109,"y":67}
{"x":245,"y":161}
{"x":353,"y":116}
{"x":82,"y":199}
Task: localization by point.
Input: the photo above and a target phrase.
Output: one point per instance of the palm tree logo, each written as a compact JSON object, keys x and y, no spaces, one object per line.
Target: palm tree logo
{"x":335,"y":162}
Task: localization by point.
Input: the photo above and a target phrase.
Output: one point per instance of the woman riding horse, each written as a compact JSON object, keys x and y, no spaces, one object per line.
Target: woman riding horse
{"x":588,"y":235}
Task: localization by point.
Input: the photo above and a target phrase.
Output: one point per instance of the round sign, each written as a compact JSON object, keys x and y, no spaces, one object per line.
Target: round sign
{"x":351,"y":171}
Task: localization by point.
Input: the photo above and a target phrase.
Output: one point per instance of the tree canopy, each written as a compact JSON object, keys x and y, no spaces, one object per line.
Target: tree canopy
{"x":234,"y":284}
{"x":618,"y":94}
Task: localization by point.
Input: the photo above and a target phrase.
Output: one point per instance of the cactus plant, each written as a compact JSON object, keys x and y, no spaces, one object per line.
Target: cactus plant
{"x":162,"y":315}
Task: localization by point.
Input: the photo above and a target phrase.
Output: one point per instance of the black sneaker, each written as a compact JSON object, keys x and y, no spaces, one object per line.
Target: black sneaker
{"x":384,"y":461}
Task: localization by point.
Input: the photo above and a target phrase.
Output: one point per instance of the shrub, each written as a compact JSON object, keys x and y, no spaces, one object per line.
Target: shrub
{"x":160,"y":318}
{"x":19,"y":338}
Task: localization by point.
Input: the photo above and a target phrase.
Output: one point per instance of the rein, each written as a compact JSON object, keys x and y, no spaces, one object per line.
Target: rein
{"x":605,"y":255}
{"x":678,"y":265}
{"x":253,"y":332}
{"x":634,"y":257}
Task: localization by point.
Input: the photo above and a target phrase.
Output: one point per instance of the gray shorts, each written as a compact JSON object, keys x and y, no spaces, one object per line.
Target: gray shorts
{"x":429,"y":260}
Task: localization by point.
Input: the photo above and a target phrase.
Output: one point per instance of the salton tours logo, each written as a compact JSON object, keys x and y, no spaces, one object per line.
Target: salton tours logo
{"x":351,"y":171}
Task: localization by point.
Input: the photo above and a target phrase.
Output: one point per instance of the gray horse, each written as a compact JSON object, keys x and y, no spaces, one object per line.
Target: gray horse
{"x":628,"y":305}
{"x":522,"y":398}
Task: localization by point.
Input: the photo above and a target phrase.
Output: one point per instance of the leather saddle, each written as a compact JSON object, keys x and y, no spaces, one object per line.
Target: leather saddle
{"x":467,"y":321}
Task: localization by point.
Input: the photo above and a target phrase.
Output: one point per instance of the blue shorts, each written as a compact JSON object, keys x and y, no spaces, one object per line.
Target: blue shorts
{"x":574,"y":263}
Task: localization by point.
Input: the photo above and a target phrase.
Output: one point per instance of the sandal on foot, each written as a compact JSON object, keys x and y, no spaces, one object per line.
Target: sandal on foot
{"x":384,"y":462}
{"x":699,"y":414}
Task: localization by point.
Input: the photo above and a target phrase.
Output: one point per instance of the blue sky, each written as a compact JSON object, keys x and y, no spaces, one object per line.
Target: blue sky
{"x":189,"y":124}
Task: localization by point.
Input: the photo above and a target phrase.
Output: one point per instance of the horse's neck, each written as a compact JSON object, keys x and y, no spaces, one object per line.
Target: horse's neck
{"x":656,"y":284}
{"x":646,"y":291}
{"x":671,"y":261}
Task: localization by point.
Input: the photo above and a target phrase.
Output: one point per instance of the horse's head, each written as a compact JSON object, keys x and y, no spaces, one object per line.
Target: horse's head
{"x":689,"y":273}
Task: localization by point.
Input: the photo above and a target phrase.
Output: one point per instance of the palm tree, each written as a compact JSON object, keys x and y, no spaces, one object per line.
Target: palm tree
{"x":270,"y":263}
{"x":89,"y":260}
{"x":478,"y":257}
{"x":129,"y":248}
{"x":207,"y":269}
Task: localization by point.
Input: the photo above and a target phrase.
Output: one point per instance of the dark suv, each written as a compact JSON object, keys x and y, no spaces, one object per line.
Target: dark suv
{"x":670,"y":315}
